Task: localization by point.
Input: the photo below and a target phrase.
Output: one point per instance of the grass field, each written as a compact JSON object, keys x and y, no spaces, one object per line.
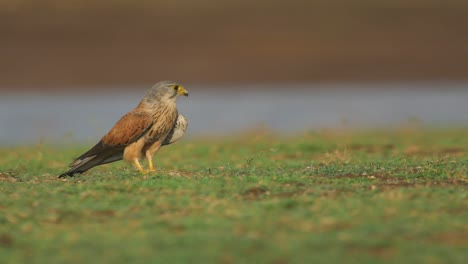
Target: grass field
{"x":354,"y":197}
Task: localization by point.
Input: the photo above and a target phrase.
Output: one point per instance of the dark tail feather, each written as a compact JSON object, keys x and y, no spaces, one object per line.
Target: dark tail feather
{"x":80,"y":166}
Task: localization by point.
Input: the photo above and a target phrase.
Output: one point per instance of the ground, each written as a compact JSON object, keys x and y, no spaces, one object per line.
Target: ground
{"x":322,"y":196}
{"x":108,"y":44}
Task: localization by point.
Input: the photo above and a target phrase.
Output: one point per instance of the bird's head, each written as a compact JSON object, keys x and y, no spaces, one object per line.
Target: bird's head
{"x":164,"y":91}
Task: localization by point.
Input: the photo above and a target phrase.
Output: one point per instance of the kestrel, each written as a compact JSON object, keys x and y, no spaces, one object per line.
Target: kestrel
{"x":155,"y":122}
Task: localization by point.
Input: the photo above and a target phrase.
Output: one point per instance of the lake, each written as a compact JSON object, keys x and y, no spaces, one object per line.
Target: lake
{"x":64,"y":118}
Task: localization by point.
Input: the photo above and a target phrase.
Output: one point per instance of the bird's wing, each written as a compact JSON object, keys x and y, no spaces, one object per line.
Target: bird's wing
{"x":127,"y":130}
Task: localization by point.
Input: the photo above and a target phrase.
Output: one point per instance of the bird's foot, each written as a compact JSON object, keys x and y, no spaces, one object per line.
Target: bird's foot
{"x":146,"y":172}
{"x":139,"y":167}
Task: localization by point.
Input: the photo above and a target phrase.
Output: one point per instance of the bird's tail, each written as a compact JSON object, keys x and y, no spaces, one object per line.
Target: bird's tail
{"x":84,"y":163}
{"x":80,"y":165}
{"x":97,"y":155}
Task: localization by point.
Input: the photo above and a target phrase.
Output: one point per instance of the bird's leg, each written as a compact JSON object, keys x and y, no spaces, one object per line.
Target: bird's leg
{"x":138,"y":166}
{"x":149,"y":157}
{"x":150,"y":153}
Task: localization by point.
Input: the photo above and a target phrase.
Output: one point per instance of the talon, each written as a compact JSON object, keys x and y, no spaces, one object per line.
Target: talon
{"x":145,"y":172}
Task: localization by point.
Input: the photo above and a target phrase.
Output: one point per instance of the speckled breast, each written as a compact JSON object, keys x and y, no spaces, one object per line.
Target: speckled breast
{"x":163,"y":121}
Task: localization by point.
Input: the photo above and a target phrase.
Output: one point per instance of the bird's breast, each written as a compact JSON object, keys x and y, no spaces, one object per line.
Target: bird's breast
{"x":164,"y":118}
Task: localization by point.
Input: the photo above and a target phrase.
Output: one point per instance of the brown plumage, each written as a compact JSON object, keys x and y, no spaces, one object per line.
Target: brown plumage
{"x":155,"y":122}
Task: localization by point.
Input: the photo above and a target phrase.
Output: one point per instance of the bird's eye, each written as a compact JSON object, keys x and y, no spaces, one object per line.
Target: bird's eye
{"x":176,"y":87}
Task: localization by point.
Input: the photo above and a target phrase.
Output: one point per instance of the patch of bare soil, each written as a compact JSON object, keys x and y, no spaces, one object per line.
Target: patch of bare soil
{"x":6,"y":240}
{"x":389,"y":181}
{"x":255,"y":192}
{"x":378,"y":251}
{"x":456,"y":239}
{"x":371,"y":148}
{"x":7,"y":177}
{"x":414,"y":150}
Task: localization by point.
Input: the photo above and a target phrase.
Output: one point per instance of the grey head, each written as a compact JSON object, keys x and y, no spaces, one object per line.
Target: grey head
{"x":163,"y":91}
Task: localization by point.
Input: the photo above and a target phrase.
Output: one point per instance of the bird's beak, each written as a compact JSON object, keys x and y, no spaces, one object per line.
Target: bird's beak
{"x":182,"y":91}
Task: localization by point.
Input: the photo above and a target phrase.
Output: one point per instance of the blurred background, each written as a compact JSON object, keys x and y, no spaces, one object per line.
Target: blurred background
{"x":70,"y":69}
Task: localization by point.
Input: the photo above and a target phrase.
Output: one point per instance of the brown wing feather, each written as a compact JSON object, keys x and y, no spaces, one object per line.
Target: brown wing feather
{"x":128,"y":129}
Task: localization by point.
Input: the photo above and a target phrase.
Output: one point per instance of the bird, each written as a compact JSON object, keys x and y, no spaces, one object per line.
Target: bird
{"x":153,"y":123}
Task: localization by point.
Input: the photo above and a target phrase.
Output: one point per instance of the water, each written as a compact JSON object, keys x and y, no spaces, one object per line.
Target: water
{"x":73,"y":118}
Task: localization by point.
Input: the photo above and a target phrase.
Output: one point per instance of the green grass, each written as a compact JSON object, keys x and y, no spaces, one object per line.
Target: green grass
{"x":356,"y":197}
